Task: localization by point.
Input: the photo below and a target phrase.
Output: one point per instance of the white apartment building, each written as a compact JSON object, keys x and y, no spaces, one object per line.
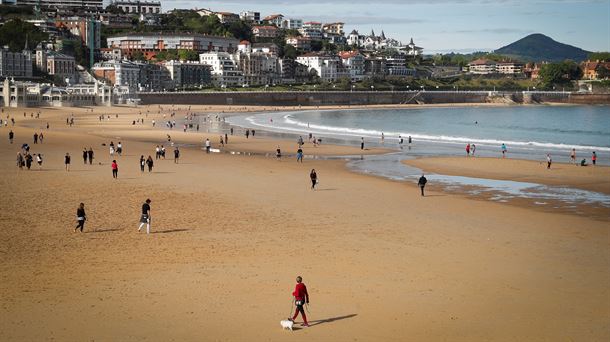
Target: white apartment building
{"x":138,"y":6}
{"x":334,"y":28}
{"x":275,"y":19}
{"x":118,"y":73}
{"x":509,"y":68}
{"x":250,"y":16}
{"x":225,"y":70}
{"x":328,"y":68}
{"x":259,"y":68}
{"x":397,"y":66}
{"x":312,"y":30}
{"x":292,"y":24}
{"x":482,"y":66}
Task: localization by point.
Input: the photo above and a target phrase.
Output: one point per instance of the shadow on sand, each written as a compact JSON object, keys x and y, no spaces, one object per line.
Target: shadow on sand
{"x":169,"y":231}
{"x":329,"y":320}
{"x":103,"y":230}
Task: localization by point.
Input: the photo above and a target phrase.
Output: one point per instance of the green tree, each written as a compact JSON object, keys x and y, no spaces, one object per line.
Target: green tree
{"x":240,"y":30}
{"x":602,"y":72}
{"x":559,"y":73}
{"x":600,"y":56}
{"x":188,"y":55}
{"x":138,"y":56}
{"x":290,"y":52}
{"x":14,"y":33}
{"x":316,"y":45}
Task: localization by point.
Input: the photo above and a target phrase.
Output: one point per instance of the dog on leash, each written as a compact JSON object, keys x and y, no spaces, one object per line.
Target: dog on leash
{"x":287,"y":324}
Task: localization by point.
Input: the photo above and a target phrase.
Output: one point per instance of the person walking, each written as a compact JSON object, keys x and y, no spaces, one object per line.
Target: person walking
{"x":28,"y":160}
{"x":278,"y":153}
{"x":593,"y":158}
{"x":362,"y":143}
{"x":247,"y":133}
{"x":85,"y":156}
{"x":473,"y":148}
{"x":90,"y":155}
{"x":549,"y":161}
{"x":314,"y":178}
{"x":226,"y":139}
{"x":300,"y":155}
{"x":67,"y":161}
{"x":41,"y":137}
{"x":119,"y":148}
{"x":81,"y":217}
{"x":208,"y":145}
{"x":20,"y":161}
{"x":142,"y":163}
{"x":145,"y":218}
{"x":35,"y":138}
{"x":573,"y":156}
{"x":11,"y":135}
{"x":301,"y":297}
{"x":39,"y":161}
{"x":422,"y":183}
{"x":503,"y":147}
{"x":150,"y":163}
{"x":468,"y":150}
{"x":158,"y":152}
{"x":115,"y":169}
{"x":176,"y":155}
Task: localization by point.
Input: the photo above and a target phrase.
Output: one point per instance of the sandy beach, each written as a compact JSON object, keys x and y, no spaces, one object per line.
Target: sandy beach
{"x":231,"y":232}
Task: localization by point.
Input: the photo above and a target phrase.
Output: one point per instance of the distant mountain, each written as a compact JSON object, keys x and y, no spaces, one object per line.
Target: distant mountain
{"x":538,"y":47}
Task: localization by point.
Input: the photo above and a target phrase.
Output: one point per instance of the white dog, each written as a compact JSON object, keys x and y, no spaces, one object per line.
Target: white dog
{"x":287,"y":324}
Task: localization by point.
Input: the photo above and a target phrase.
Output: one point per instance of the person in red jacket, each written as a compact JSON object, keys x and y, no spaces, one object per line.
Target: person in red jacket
{"x":301,"y":297}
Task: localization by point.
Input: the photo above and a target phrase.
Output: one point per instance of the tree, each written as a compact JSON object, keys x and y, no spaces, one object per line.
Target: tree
{"x":138,"y":56}
{"x":316,"y":45}
{"x":14,"y":33}
{"x":602,"y":72}
{"x":188,"y":55}
{"x":600,"y":56}
{"x":113,"y":9}
{"x":559,"y":73}
{"x":290,"y":52}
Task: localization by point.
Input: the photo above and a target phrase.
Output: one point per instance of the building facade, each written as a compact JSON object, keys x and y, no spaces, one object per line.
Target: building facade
{"x":15,"y":64}
{"x":83,"y":28}
{"x":138,"y":7}
{"x":250,"y":16}
{"x":150,"y":44}
{"x":264,"y":31}
{"x":327,"y":68}
{"x":189,"y":74}
{"x":86,"y":4}
{"x":224,"y":68}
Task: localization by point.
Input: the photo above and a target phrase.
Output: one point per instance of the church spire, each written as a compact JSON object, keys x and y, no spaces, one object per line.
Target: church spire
{"x":372,"y":33}
{"x":382,"y":35}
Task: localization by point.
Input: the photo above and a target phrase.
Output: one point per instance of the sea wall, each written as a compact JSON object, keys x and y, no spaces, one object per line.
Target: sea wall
{"x":318,"y":98}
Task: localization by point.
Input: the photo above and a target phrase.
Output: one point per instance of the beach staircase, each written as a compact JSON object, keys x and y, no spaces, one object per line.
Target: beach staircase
{"x":414,"y":99}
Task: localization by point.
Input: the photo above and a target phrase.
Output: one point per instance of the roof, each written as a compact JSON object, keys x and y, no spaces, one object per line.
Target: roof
{"x":265,"y":27}
{"x":273,"y":16}
{"x":244,"y":42}
{"x":348,"y":54}
{"x":313,"y":22}
{"x":482,"y":61}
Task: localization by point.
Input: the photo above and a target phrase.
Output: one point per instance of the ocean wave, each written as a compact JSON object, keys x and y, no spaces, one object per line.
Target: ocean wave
{"x":289,"y":124}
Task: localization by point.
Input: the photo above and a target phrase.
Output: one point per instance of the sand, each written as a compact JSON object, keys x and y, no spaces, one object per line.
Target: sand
{"x":231,"y":232}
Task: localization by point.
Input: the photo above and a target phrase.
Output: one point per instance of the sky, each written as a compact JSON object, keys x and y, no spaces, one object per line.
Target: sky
{"x":444,"y":25}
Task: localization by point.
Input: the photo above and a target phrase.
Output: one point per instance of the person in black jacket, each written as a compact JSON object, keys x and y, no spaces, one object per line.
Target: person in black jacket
{"x":314,"y":178}
{"x":422,"y":183}
{"x":81,"y":217}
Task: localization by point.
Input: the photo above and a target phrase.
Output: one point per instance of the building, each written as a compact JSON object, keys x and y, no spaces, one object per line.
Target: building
{"x":189,"y":74}
{"x":225,"y":69}
{"x":54,"y":63}
{"x":118,"y":73}
{"x":111,"y":54}
{"x":270,"y":48}
{"x":413,"y":50}
{"x":258,"y":68}
{"x":96,"y":5}
{"x":138,"y":6}
{"x":15,"y":64}
{"x":397,"y":66}
{"x":152,"y":43}
{"x":29,"y":94}
{"x":312,"y":30}
{"x":292,"y":24}
{"x":264,"y":31}
{"x":116,"y":21}
{"x":45,"y":25}
{"x":354,"y":62}
{"x":275,"y":19}
{"x":227,"y":17}
{"x":327,"y":68}
{"x":374,"y":66}
{"x":82,"y":28}
{"x":292,"y":72}
{"x":509,"y":68}
{"x":334,"y":28}
{"x":299,"y":43}
{"x":482,"y":66}
{"x":592,"y":70}
{"x":250,"y":16}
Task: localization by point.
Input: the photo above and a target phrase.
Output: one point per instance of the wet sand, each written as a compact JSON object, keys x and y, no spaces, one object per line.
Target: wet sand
{"x":231,"y":232}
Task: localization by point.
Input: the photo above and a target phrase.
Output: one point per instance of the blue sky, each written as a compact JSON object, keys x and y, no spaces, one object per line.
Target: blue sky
{"x":445,"y":25}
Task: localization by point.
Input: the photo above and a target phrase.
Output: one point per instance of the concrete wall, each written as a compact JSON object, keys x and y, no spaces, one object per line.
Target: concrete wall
{"x":319,"y":98}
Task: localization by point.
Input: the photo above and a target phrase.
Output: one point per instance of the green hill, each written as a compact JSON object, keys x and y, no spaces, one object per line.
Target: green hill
{"x":538,"y":47}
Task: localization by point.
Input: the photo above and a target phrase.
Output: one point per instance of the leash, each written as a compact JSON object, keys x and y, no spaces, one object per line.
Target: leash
{"x":291,"y":307}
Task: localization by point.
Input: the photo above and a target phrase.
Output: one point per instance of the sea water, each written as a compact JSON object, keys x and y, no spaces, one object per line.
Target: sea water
{"x":529,"y":132}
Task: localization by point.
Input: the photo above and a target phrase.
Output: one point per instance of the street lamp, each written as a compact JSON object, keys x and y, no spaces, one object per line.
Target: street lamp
{"x":372,"y":88}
